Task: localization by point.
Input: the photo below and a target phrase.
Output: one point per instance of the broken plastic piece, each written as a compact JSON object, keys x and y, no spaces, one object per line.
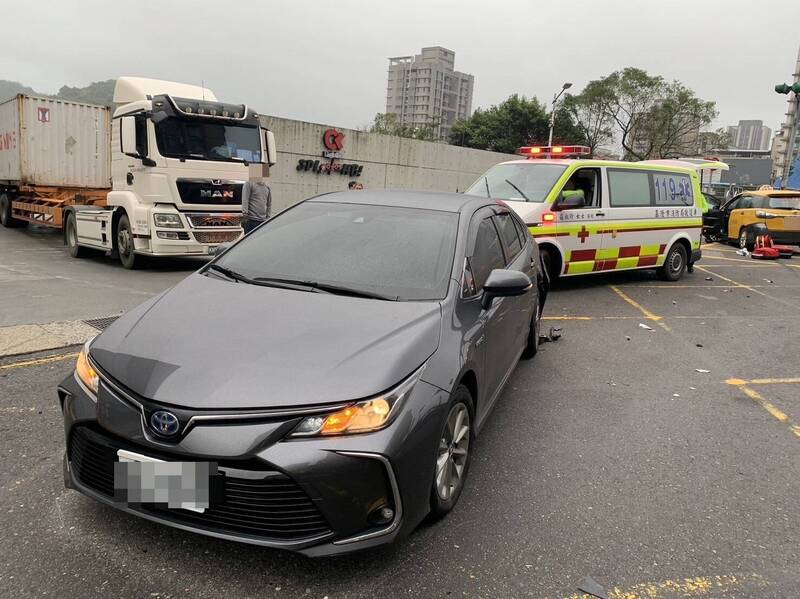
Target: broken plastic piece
{"x":701,"y":370}
{"x":644,"y":326}
{"x":709,"y":278}
{"x":591,"y":587}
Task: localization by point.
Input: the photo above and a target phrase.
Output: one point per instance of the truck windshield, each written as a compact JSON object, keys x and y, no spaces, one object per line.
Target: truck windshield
{"x":179,"y":138}
{"x":518,"y":181}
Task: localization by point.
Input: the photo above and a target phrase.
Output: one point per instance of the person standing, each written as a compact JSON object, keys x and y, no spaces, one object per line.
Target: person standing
{"x":256,"y":198}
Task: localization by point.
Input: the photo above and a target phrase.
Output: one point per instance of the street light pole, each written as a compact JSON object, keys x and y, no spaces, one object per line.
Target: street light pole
{"x":564,"y":88}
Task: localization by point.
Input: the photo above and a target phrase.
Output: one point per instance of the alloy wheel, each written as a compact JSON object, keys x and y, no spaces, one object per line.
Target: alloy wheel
{"x":453,"y":450}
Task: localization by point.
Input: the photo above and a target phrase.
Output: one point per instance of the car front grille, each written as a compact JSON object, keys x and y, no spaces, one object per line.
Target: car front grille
{"x":273,"y":507}
{"x":216,"y":236}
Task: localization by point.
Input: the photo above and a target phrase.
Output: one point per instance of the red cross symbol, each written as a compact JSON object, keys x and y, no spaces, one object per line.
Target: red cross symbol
{"x":583,"y":234}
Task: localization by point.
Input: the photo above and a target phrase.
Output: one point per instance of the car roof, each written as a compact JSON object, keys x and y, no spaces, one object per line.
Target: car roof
{"x":645,"y":165}
{"x":403,"y":198}
{"x":775,"y":193}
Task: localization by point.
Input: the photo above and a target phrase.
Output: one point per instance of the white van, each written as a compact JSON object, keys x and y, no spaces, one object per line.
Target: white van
{"x":597,"y":215}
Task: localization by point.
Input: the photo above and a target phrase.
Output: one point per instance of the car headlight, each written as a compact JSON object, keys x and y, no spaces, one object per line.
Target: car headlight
{"x":168,"y":220}
{"x":84,"y":371}
{"x":360,"y":417}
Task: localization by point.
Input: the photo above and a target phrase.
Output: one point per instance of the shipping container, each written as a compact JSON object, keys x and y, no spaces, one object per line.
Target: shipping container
{"x":54,"y":143}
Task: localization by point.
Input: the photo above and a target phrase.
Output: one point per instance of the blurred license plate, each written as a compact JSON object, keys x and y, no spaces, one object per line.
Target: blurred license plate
{"x":178,"y":485}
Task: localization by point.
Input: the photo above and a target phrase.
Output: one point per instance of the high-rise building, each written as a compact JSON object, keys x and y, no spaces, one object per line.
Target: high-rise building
{"x":425,"y":90}
{"x":785,"y":151}
{"x":750,"y":135}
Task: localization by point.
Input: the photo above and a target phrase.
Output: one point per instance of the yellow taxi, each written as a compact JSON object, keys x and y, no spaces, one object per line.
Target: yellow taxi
{"x":779,"y":210}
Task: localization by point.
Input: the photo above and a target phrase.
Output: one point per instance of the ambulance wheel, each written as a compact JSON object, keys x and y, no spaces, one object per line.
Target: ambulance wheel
{"x":71,"y":236}
{"x":675,"y":264}
{"x":125,"y":247}
{"x":6,"y":219}
{"x":744,"y":240}
{"x":532,"y":347}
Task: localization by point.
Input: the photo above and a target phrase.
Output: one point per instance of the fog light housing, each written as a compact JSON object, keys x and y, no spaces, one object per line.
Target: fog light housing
{"x":381,"y":515}
{"x":168,"y":235}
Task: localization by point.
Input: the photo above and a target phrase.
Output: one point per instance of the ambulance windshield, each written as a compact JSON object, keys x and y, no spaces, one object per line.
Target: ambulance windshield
{"x":518,"y":181}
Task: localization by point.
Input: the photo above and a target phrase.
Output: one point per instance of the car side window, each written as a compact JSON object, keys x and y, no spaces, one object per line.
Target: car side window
{"x":487,"y":254}
{"x":509,"y":235}
{"x":745,"y":202}
{"x":524,"y":234}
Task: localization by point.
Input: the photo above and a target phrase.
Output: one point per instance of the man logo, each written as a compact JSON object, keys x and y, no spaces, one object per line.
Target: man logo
{"x":164,"y":423}
{"x":224,"y":194}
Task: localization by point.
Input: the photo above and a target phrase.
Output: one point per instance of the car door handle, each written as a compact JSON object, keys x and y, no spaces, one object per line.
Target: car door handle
{"x":599,"y":213}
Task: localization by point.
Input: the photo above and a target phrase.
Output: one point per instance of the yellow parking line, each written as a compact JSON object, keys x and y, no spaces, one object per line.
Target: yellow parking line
{"x":774,"y":381}
{"x":38,"y":361}
{"x":774,"y":411}
{"x":697,"y":586}
{"x":645,"y":312}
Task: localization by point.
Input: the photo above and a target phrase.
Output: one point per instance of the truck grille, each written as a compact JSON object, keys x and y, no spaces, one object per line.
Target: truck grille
{"x":273,"y":507}
{"x":210,"y":191}
{"x":215,"y":220}
{"x":216,"y":236}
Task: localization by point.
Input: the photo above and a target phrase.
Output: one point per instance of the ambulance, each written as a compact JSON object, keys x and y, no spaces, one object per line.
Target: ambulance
{"x":592,"y":216}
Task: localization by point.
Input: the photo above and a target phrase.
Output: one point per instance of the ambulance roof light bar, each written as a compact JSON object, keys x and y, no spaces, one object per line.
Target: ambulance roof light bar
{"x":555,"y":151}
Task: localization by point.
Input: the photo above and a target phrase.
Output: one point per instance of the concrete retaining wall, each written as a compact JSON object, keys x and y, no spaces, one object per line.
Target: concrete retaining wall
{"x":391,"y":162}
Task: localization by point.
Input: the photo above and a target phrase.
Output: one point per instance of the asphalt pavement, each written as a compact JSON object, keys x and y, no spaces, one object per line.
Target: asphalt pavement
{"x":660,"y":463}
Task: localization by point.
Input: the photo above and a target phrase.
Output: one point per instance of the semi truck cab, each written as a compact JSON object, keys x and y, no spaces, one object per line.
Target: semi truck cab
{"x":179,"y":160}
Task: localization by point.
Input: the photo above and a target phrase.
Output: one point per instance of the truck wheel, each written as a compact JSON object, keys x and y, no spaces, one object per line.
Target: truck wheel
{"x":675,"y":264}
{"x":124,"y":238}
{"x":71,"y":235}
{"x":6,"y":219}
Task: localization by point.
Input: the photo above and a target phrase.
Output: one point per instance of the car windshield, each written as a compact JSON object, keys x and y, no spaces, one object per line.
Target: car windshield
{"x":791,"y":202}
{"x":402,"y":253}
{"x":179,"y":138}
{"x":518,"y":181}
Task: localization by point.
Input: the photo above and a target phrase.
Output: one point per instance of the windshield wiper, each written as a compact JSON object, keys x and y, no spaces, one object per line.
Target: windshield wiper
{"x":519,"y":190}
{"x":486,"y":182}
{"x":231,"y":274}
{"x":328,"y":288}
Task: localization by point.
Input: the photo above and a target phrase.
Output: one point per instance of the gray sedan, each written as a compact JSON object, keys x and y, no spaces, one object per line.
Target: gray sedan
{"x":319,"y":385}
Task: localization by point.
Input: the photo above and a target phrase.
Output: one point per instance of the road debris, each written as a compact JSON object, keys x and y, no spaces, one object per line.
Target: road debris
{"x":554,"y":334}
{"x":743,"y":252}
{"x":645,"y":327}
{"x":591,"y":587}
{"x":709,"y":278}
{"x":703,"y":370}
{"x":698,"y":345}
{"x":769,"y":281}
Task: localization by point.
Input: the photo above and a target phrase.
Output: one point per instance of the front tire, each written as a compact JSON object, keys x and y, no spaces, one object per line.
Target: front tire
{"x":532,"y":348}
{"x":125,"y":246}
{"x":451,"y":463}
{"x":744,"y":240}
{"x":71,"y":234}
{"x":675,"y":263}
{"x":6,"y":218}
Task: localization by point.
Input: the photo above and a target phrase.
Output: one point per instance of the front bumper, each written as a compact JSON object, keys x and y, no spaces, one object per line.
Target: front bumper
{"x":322,"y":493}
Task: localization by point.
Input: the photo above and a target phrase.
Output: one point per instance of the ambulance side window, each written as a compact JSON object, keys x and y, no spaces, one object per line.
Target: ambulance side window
{"x":629,"y":188}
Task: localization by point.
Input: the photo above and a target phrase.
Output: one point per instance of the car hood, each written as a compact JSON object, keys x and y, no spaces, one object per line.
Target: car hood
{"x":212,"y":344}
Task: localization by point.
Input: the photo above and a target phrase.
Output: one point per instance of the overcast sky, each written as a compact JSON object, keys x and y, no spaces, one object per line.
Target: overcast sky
{"x":326,"y":61}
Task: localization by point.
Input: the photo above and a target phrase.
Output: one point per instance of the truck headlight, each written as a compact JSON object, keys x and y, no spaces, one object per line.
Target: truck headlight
{"x":167,"y":220}
{"x":360,"y":417}
{"x":85,"y":372}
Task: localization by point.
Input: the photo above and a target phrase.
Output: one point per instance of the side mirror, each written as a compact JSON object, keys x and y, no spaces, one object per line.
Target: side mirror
{"x":127,"y":135}
{"x":505,"y":283}
{"x":270,"y":151}
{"x":570,"y":200}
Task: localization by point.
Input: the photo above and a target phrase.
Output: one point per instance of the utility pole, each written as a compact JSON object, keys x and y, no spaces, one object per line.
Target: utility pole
{"x":791,"y":122}
{"x":564,"y":88}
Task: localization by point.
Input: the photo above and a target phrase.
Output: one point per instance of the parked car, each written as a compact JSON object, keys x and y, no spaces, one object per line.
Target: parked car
{"x":735,"y":221}
{"x":321,"y":382}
